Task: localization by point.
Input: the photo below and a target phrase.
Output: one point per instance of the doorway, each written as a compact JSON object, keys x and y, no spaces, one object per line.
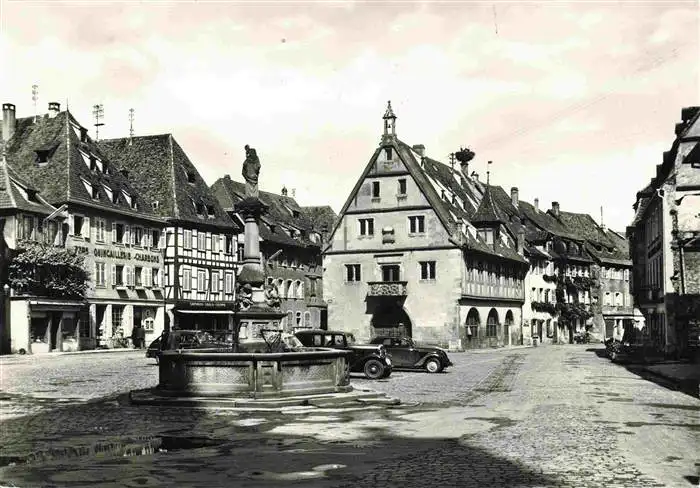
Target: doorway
{"x":471,"y":331}
{"x":391,"y":320}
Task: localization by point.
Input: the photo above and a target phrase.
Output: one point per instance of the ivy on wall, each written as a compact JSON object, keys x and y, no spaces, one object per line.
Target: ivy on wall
{"x":48,"y":271}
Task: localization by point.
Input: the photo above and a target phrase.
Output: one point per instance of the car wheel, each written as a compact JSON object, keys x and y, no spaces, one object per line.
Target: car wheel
{"x":374,"y":369}
{"x":433,"y":366}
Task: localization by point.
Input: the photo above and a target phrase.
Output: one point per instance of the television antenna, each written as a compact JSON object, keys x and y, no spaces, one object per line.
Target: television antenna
{"x":35,"y":97}
{"x":131,"y":124}
{"x":98,"y":112}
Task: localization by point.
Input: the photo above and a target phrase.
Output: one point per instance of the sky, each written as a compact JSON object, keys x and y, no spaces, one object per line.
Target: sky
{"x":573,"y":102}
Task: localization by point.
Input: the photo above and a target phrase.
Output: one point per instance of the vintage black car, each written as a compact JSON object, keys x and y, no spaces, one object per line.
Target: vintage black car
{"x":189,"y":339}
{"x":372,"y":360}
{"x":406,"y":354}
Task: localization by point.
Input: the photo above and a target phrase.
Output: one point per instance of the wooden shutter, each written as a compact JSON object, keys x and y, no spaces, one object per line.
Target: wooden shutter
{"x":114,"y":275}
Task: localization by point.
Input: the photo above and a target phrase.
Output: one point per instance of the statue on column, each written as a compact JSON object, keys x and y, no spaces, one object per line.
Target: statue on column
{"x":251,"y":171}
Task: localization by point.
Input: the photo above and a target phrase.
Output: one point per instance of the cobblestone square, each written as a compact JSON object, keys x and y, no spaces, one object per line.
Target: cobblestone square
{"x":545,"y":416}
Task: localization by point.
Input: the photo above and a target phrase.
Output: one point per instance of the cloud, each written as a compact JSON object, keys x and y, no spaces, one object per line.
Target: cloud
{"x":535,"y":88}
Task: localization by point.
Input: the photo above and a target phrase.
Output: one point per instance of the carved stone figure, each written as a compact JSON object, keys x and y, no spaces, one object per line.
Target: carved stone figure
{"x":272,"y":296}
{"x":244,"y":296}
{"x":251,"y":171}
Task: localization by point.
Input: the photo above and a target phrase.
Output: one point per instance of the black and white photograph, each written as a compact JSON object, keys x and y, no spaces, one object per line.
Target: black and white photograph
{"x":350,"y":243}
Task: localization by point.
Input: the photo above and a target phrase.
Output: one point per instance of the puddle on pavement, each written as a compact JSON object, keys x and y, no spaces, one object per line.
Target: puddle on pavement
{"x":694,"y":408}
{"x":315,"y":473}
{"x":694,"y":427}
{"x":115,"y":448}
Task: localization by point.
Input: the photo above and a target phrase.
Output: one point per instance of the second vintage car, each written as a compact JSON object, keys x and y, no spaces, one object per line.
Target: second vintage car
{"x":370,"y":359}
{"x":407,"y":354}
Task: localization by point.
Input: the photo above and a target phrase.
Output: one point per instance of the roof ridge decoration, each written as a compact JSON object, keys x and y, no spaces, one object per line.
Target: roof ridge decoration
{"x":488,"y":212}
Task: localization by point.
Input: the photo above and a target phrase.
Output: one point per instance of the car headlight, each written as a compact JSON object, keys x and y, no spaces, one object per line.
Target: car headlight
{"x":388,"y":360}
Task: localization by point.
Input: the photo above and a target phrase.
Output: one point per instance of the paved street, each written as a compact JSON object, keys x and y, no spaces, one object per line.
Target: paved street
{"x":545,"y":416}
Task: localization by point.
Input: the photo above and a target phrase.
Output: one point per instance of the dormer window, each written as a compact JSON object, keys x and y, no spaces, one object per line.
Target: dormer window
{"x":155,"y":205}
{"x":83,"y":134}
{"x":189,"y":174}
{"x":295,"y":213}
{"x":486,"y":235}
{"x":42,"y":156}
{"x":210,"y":211}
{"x":127,"y":198}
{"x":109,"y":192}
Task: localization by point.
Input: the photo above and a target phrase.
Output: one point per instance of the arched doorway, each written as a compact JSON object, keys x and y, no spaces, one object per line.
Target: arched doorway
{"x":471,"y":326}
{"x":507,"y":328}
{"x":391,"y":320}
{"x":492,"y":326}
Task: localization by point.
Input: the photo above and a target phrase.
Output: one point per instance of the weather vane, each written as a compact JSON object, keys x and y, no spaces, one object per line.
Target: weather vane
{"x":98,"y":112}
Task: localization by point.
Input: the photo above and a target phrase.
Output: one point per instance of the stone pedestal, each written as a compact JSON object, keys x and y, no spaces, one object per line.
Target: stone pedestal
{"x":257,"y":316}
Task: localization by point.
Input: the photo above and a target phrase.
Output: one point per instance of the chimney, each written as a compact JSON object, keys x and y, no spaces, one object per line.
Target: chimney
{"x":227,"y":177}
{"x":420,"y":149}
{"x":521,"y":240}
{"x":475,"y":175}
{"x":537,"y":204}
{"x":555,"y":209}
{"x":688,"y":113}
{"x":284,"y":191}
{"x":514,"y":196}
{"x":54,"y":108}
{"x":9,"y":121}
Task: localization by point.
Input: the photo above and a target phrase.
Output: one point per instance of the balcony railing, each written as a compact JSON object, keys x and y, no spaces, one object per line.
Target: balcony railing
{"x":387,"y":288}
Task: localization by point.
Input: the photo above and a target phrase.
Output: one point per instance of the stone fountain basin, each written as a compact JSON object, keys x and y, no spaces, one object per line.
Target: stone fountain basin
{"x":212,"y":373}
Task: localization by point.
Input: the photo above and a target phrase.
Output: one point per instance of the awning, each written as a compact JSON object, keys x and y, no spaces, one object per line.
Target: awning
{"x":207,"y":312}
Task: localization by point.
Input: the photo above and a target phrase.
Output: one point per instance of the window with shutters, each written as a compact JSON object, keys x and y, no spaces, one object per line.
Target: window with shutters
{"x":100,"y":229}
{"x":201,"y":280}
{"x":138,"y":236}
{"x":117,"y":317}
{"x":215,"y":282}
{"x":214,"y":243}
{"x":186,"y":279}
{"x":138,"y":276}
{"x":99,"y":274}
{"x":118,"y":277}
{"x":187,"y":239}
{"x":228,"y":283}
{"x":202,"y":241}
{"x":155,"y":277}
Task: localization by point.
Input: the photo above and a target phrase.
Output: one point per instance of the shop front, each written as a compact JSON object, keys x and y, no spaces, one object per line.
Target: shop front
{"x":193,"y":315}
{"x":42,"y":325}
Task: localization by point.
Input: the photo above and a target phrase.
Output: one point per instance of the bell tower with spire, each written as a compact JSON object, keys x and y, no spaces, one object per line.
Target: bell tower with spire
{"x":389,"y":123}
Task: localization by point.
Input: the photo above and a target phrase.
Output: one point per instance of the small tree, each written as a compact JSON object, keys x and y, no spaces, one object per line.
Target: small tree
{"x":48,"y":271}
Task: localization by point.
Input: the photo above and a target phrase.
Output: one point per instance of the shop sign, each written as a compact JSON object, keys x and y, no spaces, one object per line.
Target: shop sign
{"x":122,"y":254}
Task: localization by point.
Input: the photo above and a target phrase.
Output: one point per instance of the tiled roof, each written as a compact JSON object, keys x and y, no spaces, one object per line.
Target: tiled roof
{"x":283,"y":215}
{"x":63,"y":174}
{"x":17,"y":194}
{"x":322,"y":218}
{"x":488,"y":212}
{"x":165,"y":175}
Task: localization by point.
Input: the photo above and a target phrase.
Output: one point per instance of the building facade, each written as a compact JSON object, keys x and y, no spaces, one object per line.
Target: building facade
{"x":290,"y":247}
{"x":198,"y":240}
{"x":405,"y":257}
{"x":665,"y":244}
{"x":105,"y":219}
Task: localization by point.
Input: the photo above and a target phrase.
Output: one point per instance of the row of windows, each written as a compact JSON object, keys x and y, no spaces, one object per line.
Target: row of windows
{"x":298,"y":319}
{"x":391,"y":272}
{"x":30,"y":228}
{"x":125,"y":275}
{"x":415,"y":225}
{"x":96,"y":228}
{"x":617,"y":300}
{"x":203,"y":280}
{"x":292,"y":289}
{"x":492,"y":273}
{"x":615,"y":273}
{"x":206,"y":241}
{"x":400,"y":190}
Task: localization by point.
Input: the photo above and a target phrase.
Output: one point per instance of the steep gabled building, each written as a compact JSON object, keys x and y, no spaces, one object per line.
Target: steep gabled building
{"x":665,"y":244}
{"x":406,"y":258}
{"x":199,"y":238}
{"x":291,"y":250}
{"x":106,"y":219}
